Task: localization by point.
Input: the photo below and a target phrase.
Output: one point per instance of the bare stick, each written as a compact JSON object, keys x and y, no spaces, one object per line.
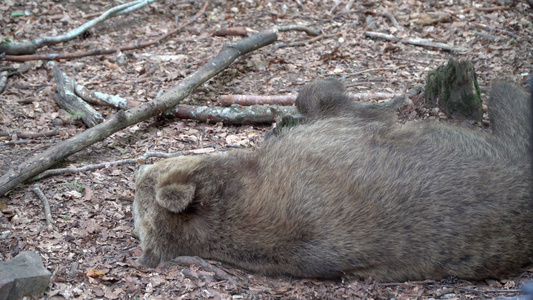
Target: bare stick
{"x":20,"y":142}
{"x":416,"y":42}
{"x":305,"y":29}
{"x":195,"y":260}
{"x":233,"y":31}
{"x":139,"y":160}
{"x":474,"y":290}
{"x":253,"y":100}
{"x":228,"y":100}
{"x":344,"y":77}
{"x":374,"y":96}
{"x":29,"y":47}
{"x":31,"y":135}
{"x":256,"y":114}
{"x":123,"y":119}
{"x":47,"y":213}
{"x":3,"y":80}
{"x":485,"y":9}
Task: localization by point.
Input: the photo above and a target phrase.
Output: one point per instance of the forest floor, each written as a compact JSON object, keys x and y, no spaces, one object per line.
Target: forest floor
{"x":92,"y":247}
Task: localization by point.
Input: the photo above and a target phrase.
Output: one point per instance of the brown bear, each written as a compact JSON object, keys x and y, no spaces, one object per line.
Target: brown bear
{"x":353,"y":193}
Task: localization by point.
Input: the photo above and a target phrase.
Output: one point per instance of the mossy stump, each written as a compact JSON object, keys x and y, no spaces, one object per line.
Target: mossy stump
{"x":454,"y":89}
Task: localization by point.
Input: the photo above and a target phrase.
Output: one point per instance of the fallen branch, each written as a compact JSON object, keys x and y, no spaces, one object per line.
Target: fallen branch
{"x":416,"y":42}
{"x":139,"y":160}
{"x":374,"y":96}
{"x":123,"y":119}
{"x":233,"y":31}
{"x":67,"y":99}
{"x":228,"y":100}
{"x":240,"y":115}
{"x":32,"y":135}
{"x":46,"y":205}
{"x":254,"y":100}
{"x":16,"y":48}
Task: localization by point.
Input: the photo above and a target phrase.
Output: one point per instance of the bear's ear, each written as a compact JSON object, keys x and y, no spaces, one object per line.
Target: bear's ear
{"x":175,"y":197}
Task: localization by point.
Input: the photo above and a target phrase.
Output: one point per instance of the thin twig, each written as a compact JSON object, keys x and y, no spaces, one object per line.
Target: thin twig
{"x":406,"y":283}
{"x":140,"y":160}
{"x":474,"y":290}
{"x":416,"y":42}
{"x":6,"y":144}
{"x":485,"y":9}
{"x":335,"y":6}
{"x":15,"y":48}
{"x":47,"y":213}
{"x":306,"y":29}
{"x":343,"y":78}
{"x":306,"y":42}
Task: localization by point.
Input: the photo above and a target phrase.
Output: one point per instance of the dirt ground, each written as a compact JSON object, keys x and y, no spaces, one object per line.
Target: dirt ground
{"x":92,"y":247}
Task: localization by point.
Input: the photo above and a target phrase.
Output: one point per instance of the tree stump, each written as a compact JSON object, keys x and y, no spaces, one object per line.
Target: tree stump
{"x":454,"y":89}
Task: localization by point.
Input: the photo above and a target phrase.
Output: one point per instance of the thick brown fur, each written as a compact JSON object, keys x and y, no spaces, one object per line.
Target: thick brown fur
{"x":347,"y":194}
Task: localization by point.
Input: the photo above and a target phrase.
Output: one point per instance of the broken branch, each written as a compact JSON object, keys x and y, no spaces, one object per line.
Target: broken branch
{"x":67,"y":99}
{"x":46,"y":205}
{"x":256,"y":114}
{"x":228,"y":100}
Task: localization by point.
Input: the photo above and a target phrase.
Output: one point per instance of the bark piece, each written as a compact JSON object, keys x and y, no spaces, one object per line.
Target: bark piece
{"x":22,"y":276}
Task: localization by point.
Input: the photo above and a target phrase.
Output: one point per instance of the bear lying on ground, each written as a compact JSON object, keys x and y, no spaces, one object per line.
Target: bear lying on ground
{"x":352,"y":193}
